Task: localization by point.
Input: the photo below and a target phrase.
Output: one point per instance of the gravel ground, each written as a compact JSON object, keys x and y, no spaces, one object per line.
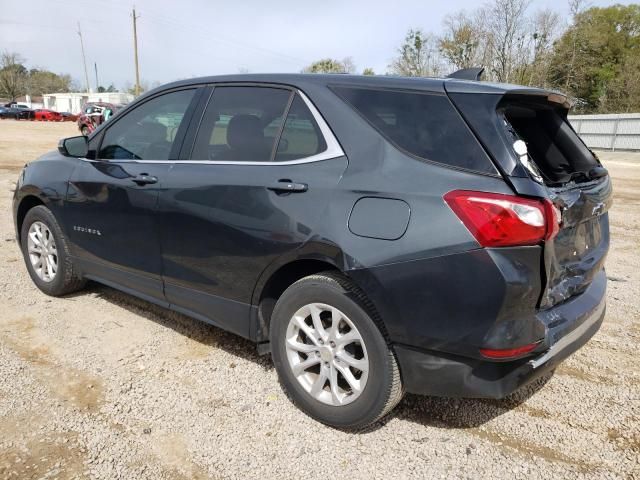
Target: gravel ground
{"x":102,"y":385}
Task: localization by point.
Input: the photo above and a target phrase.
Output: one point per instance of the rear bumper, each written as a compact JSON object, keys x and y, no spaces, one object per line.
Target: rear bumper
{"x":568,"y":327}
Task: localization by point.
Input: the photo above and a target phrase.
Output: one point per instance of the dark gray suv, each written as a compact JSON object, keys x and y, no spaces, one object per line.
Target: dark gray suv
{"x":376,"y":235}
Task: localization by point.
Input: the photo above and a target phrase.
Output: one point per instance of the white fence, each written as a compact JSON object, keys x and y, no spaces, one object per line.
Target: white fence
{"x":617,"y":131}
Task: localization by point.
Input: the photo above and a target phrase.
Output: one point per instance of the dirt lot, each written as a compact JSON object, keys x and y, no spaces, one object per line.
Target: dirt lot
{"x":103,"y":385}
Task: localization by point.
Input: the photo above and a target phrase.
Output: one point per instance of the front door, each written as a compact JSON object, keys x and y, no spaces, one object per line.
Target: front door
{"x":243,"y":199}
{"x":111,"y":212}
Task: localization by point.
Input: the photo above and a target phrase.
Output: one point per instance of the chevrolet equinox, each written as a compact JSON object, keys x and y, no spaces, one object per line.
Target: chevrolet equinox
{"x":375,"y":235}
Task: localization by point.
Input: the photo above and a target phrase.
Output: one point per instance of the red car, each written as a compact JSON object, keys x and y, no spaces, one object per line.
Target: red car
{"x":47,"y":115}
{"x":93,"y":115}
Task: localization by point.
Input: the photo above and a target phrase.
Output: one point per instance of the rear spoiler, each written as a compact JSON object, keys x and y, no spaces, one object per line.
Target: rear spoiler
{"x":468,"y":73}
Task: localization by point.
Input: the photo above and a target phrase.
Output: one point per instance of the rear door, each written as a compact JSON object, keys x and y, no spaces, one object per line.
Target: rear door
{"x":260,"y":173}
{"x":111,"y":210}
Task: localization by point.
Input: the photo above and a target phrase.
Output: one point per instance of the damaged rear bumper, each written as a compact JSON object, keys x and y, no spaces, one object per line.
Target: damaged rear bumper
{"x":568,"y":327}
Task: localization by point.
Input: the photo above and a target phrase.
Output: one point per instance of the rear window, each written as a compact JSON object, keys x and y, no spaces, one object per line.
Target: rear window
{"x":424,"y":125}
{"x":552,"y":144}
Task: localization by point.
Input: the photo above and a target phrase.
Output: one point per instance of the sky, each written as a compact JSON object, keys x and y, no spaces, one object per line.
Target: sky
{"x":186,"y":38}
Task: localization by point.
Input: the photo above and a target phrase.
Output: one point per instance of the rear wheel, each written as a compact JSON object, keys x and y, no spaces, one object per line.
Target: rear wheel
{"x":46,"y":253}
{"x":85,"y":131}
{"x":331,"y":355}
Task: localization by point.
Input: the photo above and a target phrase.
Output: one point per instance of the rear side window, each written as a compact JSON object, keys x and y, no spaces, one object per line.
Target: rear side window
{"x":301,"y":136}
{"x":424,"y":125}
{"x":241,"y":124}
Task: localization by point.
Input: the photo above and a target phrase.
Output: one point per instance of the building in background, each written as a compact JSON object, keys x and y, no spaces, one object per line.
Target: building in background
{"x":73,"y":102}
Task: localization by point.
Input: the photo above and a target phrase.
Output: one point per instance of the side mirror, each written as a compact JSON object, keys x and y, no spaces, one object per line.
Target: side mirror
{"x":74,"y":146}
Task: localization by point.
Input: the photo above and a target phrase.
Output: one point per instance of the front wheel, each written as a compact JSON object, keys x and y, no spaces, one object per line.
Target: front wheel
{"x":46,"y":253}
{"x":331,"y":355}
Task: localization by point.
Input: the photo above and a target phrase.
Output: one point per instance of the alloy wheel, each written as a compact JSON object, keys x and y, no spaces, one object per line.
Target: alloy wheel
{"x":327,"y":354}
{"x":42,"y":251}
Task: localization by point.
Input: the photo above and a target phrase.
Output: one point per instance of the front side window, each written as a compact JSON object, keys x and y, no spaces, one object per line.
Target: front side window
{"x":241,"y":124}
{"x":148,"y":131}
{"x":424,"y":125}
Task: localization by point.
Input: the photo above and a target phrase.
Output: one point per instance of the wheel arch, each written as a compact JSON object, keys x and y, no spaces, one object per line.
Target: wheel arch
{"x":26,"y":203}
{"x":314,"y":257}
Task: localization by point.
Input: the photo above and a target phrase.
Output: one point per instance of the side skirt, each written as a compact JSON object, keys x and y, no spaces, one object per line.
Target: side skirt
{"x":237,"y":316}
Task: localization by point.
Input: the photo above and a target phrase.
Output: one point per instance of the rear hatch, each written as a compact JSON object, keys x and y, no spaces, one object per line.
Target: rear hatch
{"x":552,"y":163}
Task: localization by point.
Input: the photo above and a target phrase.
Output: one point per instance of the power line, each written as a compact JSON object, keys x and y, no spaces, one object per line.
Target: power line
{"x":197,"y":30}
{"x":201,"y":32}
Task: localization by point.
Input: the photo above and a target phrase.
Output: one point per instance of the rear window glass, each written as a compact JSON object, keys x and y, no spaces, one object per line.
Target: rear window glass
{"x":552,"y":144}
{"x":424,"y":125}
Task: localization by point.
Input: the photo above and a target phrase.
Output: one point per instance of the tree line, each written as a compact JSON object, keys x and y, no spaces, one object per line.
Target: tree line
{"x":17,"y":80}
{"x":595,"y":58}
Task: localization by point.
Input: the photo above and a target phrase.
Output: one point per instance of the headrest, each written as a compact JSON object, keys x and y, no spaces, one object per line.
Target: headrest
{"x":153,"y":131}
{"x":245,"y":132}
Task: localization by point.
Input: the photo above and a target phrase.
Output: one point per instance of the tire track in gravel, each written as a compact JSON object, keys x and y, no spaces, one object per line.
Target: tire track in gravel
{"x":70,"y":385}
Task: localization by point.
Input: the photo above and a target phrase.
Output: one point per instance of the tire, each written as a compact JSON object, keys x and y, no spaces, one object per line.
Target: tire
{"x":65,"y":278}
{"x":379,"y":389}
{"x":85,"y":131}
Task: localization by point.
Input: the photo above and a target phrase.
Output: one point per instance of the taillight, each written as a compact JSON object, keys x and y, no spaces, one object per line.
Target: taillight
{"x":498,"y":220}
{"x":508,"y":353}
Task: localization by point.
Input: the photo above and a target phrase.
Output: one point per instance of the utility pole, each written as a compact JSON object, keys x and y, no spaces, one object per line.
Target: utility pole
{"x":95,"y":65}
{"x":84,"y":59}
{"x":135,"y":52}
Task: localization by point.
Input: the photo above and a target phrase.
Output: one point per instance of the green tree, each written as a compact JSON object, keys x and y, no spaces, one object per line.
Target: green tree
{"x":42,"y":81}
{"x":596,"y":59}
{"x":417,"y":56}
{"x":331,"y":65}
{"x":13,"y":76}
{"x":108,"y":89}
{"x":368,"y":71}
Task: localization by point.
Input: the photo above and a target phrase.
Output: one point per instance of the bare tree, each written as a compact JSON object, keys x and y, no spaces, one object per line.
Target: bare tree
{"x":575,"y":7}
{"x":461,"y":43}
{"x":418,"y":56}
{"x":546,"y":27}
{"x":507,"y":30}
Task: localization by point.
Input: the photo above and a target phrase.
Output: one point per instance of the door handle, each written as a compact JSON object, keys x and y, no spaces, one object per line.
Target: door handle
{"x":144,"y":179}
{"x":287,"y":186}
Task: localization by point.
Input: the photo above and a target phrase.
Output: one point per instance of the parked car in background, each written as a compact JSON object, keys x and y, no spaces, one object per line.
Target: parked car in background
{"x":375,"y":235}
{"x":19,"y":106}
{"x":69,"y":117}
{"x":46,"y":115}
{"x":16,"y":113}
{"x":93,"y":115}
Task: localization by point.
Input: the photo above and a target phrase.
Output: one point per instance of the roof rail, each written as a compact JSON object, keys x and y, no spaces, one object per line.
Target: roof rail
{"x":468,"y":73}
